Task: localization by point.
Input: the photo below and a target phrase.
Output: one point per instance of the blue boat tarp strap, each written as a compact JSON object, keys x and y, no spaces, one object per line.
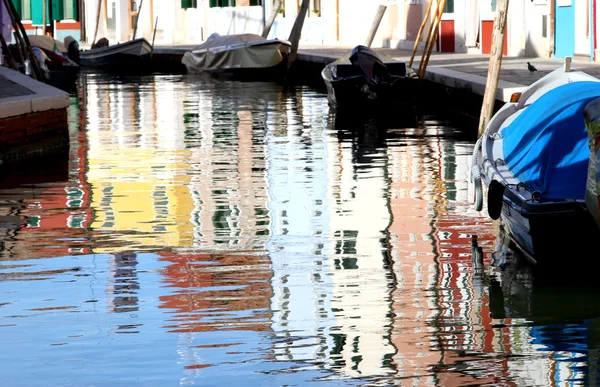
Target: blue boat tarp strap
{"x":546,"y":146}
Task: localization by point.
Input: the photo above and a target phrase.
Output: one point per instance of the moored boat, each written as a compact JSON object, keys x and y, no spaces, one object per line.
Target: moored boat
{"x":119,"y":57}
{"x":365,"y":80}
{"x":58,"y":61}
{"x":533,"y":160}
{"x":246,"y":56}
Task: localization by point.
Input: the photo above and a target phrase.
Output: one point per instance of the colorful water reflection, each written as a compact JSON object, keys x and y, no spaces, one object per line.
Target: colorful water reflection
{"x":207,"y":232}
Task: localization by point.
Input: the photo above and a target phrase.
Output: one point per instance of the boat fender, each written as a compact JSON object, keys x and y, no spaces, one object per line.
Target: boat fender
{"x":495,"y":199}
{"x":476,"y":176}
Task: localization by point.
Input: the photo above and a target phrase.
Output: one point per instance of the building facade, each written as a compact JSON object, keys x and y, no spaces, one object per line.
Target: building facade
{"x":535,"y":28}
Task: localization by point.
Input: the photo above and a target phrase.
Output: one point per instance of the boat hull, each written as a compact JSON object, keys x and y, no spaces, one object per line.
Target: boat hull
{"x":549,"y":237}
{"x":64,"y":78}
{"x":347,"y":95}
{"x":128,"y":56}
{"x":536,"y":168}
{"x":239,"y":59}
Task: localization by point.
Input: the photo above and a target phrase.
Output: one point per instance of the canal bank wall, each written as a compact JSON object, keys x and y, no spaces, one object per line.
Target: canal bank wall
{"x":33,"y":118}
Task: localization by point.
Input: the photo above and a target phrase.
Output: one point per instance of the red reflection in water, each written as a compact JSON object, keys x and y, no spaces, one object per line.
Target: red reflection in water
{"x":217,"y":292}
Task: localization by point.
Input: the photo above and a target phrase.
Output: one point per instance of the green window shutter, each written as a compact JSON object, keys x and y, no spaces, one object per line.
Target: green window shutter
{"x":213,"y":3}
{"x":185,"y":4}
{"x":17,"y":4}
{"x":58,"y":9}
{"x":71,"y":9}
{"x":255,"y":2}
{"x":26,"y":8}
{"x":36,"y":12}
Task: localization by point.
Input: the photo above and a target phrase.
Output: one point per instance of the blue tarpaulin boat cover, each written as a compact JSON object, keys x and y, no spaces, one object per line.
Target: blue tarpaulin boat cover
{"x":546,"y":146}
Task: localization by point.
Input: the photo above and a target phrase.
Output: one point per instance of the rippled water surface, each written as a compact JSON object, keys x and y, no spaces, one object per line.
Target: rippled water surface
{"x":212,"y":233}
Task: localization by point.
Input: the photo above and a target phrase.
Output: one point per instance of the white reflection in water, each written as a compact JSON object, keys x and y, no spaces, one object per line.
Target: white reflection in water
{"x":282,"y":249}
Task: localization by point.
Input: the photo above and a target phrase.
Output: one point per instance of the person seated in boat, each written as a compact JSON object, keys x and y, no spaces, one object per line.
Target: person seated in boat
{"x":101,"y":43}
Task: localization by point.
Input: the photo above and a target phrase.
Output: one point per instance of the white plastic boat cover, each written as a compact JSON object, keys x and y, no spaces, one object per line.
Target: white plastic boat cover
{"x":47,"y":43}
{"x":235,"y":52}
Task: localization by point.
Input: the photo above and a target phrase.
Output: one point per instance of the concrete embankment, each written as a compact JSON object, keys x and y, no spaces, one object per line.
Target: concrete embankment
{"x":455,"y":81}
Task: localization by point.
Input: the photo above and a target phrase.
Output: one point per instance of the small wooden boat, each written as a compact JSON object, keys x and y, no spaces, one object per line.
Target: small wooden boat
{"x":365,"y":80}
{"x":58,"y":61}
{"x":120,"y":57}
{"x":533,"y":159}
{"x":245,"y":56}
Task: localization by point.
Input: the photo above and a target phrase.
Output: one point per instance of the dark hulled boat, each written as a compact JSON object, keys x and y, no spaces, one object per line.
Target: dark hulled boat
{"x":119,"y":57}
{"x":364,"y":81}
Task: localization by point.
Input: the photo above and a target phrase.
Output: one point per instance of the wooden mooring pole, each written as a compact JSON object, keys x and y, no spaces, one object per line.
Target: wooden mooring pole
{"x":436,"y":29}
{"x":269,"y":23}
{"x":375,"y":26}
{"x":418,"y":39}
{"x":493,"y":77}
{"x":297,"y":32}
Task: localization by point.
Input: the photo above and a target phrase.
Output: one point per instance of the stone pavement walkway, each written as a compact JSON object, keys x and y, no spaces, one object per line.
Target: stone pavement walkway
{"x":514,"y":69}
{"x":464,"y":71}
{"x":9,"y":89}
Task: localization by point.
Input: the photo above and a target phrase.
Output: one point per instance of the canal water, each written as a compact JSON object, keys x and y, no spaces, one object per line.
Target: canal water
{"x":216,"y":233}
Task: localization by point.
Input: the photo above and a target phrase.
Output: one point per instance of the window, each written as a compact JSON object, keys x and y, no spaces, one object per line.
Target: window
{"x":70,"y":9}
{"x":221,"y":3}
{"x":449,"y":7}
{"x":23,"y":8}
{"x":493,"y":5}
{"x":315,"y":8}
{"x":185,"y":4}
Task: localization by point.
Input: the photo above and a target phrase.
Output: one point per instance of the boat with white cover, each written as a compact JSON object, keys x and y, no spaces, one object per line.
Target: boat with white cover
{"x":241,"y":55}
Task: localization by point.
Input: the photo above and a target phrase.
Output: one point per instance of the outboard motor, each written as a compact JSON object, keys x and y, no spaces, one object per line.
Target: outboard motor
{"x":372,"y":67}
{"x":72,"y":49}
{"x":42,"y":58}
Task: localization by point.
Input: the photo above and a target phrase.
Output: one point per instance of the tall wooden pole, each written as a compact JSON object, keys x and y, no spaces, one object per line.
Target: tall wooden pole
{"x":297,"y":32}
{"x":428,"y":39}
{"x":98,"y":11}
{"x":493,"y":77}
{"x":431,"y":39}
{"x":418,"y":39}
{"x":375,"y":26}
{"x":274,"y":12}
{"x":137,"y":18}
{"x":44,"y":13}
{"x":551,"y":34}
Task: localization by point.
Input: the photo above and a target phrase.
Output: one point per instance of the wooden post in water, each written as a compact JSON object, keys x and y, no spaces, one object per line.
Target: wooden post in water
{"x":418,"y":39}
{"x":375,"y":25}
{"x":153,"y":36}
{"x":297,"y":32}
{"x":44,"y":16}
{"x":274,"y":13}
{"x":432,"y":38}
{"x":493,"y":77}
{"x":137,"y":18}
{"x":98,"y":11}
